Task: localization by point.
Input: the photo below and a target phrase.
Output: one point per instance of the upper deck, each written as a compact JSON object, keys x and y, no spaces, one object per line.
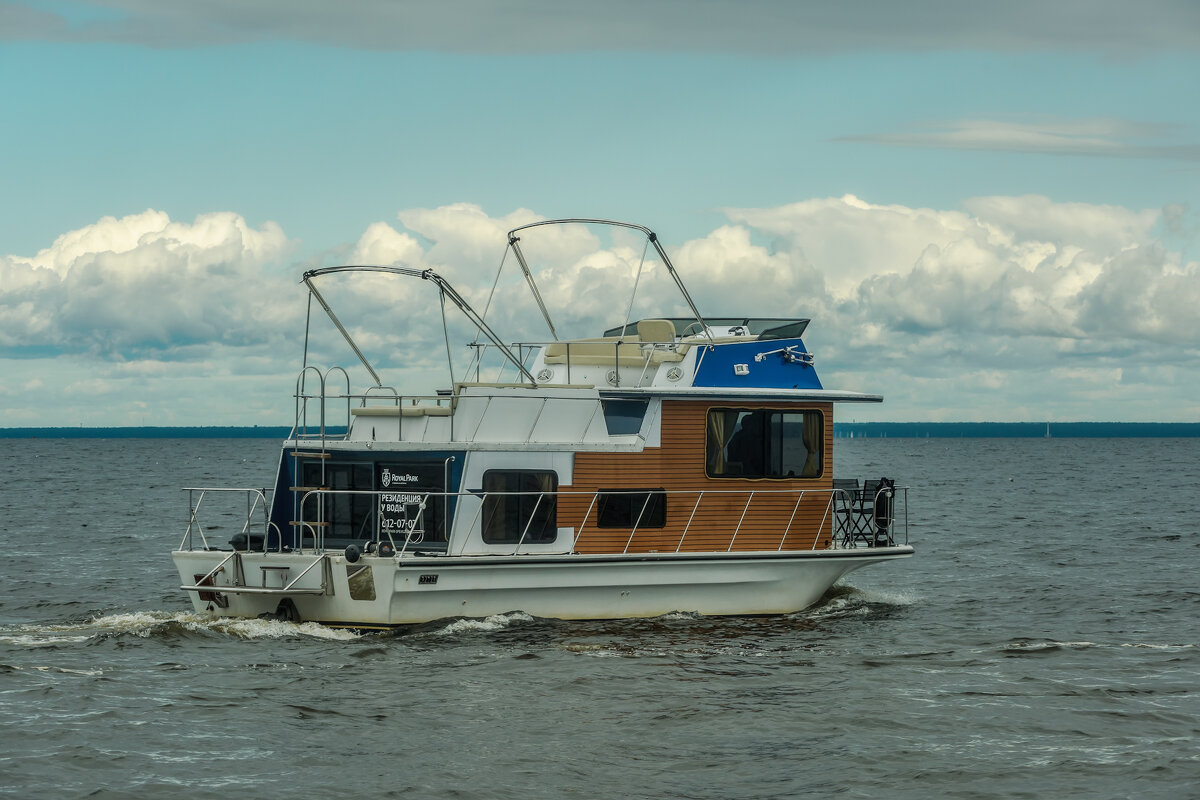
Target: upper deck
{"x":563,"y":391}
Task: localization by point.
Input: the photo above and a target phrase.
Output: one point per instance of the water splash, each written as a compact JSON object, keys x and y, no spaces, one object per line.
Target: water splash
{"x":1034,"y":647}
{"x":848,"y":601}
{"x":1170,"y":647}
{"x":155,"y":624}
{"x":495,"y":622}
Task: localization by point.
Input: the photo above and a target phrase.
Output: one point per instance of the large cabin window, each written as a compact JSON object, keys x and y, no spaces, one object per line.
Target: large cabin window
{"x":629,"y":508}
{"x":349,"y":517}
{"x":764,"y":443}
{"x":520,"y":506}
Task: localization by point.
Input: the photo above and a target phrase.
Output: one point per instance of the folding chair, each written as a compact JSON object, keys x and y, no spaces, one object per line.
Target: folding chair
{"x":845,"y":495}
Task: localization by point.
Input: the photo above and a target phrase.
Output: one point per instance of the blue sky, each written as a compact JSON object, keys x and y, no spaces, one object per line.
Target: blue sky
{"x":990,"y":210}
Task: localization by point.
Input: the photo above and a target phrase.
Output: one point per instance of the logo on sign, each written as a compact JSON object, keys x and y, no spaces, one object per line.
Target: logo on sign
{"x":387,"y":478}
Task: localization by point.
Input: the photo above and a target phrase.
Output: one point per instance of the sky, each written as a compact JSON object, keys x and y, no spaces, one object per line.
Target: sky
{"x":990,"y":211}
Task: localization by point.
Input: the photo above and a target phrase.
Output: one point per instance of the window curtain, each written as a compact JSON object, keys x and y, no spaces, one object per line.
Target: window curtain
{"x":812,"y":443}
{"x":720,"y":429}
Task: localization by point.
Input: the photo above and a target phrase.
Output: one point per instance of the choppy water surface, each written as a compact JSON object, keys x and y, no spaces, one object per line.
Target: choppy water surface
{"x":1043,"y":643}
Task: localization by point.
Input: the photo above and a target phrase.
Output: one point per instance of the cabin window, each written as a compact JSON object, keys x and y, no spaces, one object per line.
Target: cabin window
{"x":764,"y":443}
{"x":520,"y":506}
{"x":628,"y":508}
{"x":348,"y":516}
{"x":623,"y":417}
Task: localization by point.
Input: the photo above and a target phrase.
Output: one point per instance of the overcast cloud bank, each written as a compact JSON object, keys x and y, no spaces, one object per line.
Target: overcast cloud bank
{"x":760,"y":27}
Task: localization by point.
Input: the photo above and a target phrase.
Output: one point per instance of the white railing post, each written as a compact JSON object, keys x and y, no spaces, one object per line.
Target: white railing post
{"x":699,"y":497}
{"x":749,"y":500}
{"x":583,"y":524}
{"x":786,"y":530}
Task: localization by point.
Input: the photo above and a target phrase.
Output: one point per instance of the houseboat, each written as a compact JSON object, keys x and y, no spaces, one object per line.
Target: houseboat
{"x":671,"y":464}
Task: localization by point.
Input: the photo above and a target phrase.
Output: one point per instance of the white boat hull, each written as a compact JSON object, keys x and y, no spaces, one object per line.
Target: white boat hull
{"x":407,"y":590}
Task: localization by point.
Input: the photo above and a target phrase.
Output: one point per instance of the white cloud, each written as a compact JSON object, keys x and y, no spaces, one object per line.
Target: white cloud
{"x":1046,"y":135}
{"x":1013,"y":306}
{"x":1040,"y":220}
{"x":384,"y":245}
{"x":122,"y":287}
{"x":1014,"y":267}
{"x":848,"y":240}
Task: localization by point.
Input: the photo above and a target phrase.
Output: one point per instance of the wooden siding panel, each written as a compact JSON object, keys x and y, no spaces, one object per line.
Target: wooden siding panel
{"x":678,"y":466}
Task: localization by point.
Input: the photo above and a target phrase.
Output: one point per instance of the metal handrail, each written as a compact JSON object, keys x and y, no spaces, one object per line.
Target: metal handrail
{"x":830,"y":522}
{"x":840,"y":526}
{"x":647,"y":349}
{"x":253,"y":498}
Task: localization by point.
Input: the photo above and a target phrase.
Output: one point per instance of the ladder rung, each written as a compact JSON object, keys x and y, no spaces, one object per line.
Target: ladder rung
{"x":309,"y":454}
{"x":306,"y":524}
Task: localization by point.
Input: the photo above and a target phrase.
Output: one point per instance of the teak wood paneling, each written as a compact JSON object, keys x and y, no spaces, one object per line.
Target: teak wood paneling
{"x":678,"y":465}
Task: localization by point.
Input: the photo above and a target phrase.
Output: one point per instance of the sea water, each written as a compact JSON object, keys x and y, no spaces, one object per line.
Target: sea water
{"x":1043,"y":642}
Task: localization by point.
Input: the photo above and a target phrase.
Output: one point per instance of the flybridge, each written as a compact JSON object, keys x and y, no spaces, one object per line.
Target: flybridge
{"x":666,"y":353}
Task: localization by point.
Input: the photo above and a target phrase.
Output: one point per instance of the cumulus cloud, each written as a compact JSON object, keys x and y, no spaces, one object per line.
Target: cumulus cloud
{"x":1007,"y":283}
{"x":1040,"y":220}
{"x":467,"y":247}
{"x":1015,"y":308}
{"x":1010,"y":308}
{"x":121,"y":287}
{"x":995,"y":283}
{"x":748,"y":26}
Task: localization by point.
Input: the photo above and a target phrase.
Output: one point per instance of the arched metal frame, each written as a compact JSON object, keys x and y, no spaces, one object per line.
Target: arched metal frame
{"x":445,"y":290}
{"x":651,"y":238}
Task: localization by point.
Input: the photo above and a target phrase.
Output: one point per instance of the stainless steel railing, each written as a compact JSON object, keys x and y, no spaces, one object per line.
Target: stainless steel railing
{"x":845,"y":521}
{"x":313,"y":424}
{"x":616,"y":360}
{"x":848,"y":518}
{"x":256,"y":501}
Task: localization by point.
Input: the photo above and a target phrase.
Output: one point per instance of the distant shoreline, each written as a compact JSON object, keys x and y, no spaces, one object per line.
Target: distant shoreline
{"x":1016,"y":430}
{"x":841,"y":430}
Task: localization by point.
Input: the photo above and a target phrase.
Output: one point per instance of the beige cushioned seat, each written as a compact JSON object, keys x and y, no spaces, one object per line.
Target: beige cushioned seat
{"x":656,"y":330}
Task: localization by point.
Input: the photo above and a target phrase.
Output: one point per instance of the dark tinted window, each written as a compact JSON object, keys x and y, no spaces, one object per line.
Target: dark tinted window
{"x":626,"y":508}
{"x":519,"y":506}
{"x":792,"y":330}
{"x":349,"y":517}
{"x":624,"y":416}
